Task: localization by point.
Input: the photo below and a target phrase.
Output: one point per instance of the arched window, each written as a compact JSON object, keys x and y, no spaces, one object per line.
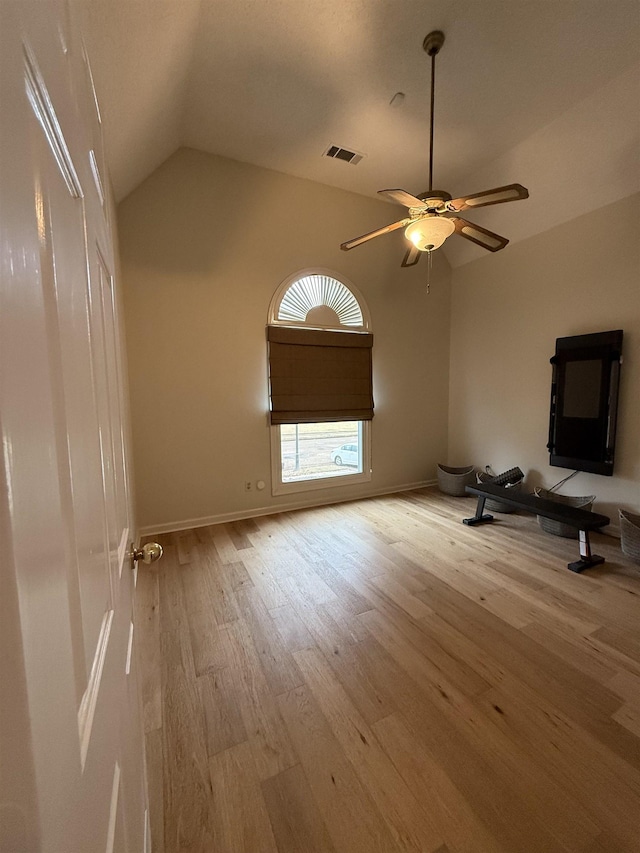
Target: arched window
{"x":319,"y":300}
{"x":320,"y":383}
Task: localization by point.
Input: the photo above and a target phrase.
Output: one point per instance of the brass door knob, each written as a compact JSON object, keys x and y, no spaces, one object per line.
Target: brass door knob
{"x":149,"y":553}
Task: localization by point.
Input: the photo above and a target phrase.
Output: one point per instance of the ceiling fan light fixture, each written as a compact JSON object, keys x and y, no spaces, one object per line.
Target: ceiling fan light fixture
{"x":429,"y":232}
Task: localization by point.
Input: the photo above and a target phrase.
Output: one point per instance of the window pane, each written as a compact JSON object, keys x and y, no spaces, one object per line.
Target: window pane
{"x":318,"y":451}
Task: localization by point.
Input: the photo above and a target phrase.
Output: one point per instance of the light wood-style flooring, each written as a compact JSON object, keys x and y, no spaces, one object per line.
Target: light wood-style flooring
{"x":375,"y":677}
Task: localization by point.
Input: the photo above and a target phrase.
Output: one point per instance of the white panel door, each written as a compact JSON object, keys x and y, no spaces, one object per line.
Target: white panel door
{"x":65,"y":505}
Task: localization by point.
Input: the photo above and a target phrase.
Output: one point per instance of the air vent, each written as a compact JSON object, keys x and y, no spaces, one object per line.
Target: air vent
{"x":343,"y":154}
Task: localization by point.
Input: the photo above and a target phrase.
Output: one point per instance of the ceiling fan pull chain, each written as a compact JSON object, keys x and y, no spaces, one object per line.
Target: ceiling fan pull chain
{"x":429,"y":265}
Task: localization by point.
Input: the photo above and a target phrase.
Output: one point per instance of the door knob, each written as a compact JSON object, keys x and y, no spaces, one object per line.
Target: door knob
{"x":149,"y":553}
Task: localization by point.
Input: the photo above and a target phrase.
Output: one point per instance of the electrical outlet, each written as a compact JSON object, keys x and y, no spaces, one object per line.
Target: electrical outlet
{"x":248,"y":485}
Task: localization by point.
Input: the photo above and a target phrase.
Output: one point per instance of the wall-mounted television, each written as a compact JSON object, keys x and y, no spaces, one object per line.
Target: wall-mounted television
{"x":584,"y":401}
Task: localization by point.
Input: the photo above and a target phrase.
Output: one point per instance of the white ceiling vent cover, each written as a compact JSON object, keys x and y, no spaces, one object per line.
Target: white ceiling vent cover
{"x":338,"y":153}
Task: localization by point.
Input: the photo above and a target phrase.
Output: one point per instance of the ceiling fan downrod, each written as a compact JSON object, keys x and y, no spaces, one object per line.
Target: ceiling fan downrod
{"x":432,"y":44}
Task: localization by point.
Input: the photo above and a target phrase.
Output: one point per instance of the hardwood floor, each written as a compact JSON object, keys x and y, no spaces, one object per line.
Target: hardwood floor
{"x":376,"y":677}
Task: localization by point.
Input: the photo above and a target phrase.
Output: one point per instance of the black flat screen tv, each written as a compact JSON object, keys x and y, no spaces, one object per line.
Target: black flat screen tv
{"x":584,"y":402}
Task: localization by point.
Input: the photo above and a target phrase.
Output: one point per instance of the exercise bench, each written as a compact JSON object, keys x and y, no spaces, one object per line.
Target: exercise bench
{"x":583,"y":520}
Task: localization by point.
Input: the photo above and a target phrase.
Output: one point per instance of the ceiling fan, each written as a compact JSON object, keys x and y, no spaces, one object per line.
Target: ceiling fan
{"x":432,"y":216}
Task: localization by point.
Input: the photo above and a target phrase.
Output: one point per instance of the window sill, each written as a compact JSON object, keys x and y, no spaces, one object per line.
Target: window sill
{"x":322,"y":483}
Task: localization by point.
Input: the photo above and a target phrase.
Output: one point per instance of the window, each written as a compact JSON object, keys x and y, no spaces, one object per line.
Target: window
{"x":318,"y":450}
{"x":320,"y":384}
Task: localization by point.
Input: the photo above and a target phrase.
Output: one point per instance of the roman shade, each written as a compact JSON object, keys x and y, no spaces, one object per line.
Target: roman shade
{"x":317,"y":375}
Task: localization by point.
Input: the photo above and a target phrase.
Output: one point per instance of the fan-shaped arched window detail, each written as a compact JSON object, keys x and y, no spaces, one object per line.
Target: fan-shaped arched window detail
{"x":320,"y":300}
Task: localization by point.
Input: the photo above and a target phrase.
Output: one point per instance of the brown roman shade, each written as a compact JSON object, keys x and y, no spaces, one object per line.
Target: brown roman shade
{"x":319,"y":375}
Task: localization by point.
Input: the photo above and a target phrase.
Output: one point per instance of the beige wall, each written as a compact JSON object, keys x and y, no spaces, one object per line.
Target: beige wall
{"x":205,"y":242}
{"x":508,"y":309}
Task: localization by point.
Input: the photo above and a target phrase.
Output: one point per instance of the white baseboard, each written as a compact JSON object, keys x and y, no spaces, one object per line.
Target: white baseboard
{"x":188,"y":523}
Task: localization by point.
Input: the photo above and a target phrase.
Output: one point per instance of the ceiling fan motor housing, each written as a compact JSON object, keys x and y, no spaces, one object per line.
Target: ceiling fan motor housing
{"x":434,"y":201}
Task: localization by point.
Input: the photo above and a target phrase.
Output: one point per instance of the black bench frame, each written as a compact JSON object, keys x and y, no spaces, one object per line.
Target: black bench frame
{"x":581,"y":519}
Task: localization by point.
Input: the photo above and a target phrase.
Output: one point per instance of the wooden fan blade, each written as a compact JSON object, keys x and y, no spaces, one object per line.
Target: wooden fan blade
{"x":403,"y":197}
{"x":351,"y":244}
{"x":512,"y":192}
{"x":412,"y":257}
{"x":487,"y":239}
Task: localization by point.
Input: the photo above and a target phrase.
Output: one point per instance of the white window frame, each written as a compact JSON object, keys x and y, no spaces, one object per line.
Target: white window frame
{"x":278,"y":487}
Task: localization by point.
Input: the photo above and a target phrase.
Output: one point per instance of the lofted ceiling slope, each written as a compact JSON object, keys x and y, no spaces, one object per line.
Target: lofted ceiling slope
{"x":540,"y":92}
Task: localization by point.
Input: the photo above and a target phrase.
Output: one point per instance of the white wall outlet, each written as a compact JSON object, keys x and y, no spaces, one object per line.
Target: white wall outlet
{"x":248,"y":485}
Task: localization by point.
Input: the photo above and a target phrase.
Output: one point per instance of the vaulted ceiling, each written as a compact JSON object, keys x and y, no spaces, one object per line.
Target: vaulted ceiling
{"x":540,"y":92}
